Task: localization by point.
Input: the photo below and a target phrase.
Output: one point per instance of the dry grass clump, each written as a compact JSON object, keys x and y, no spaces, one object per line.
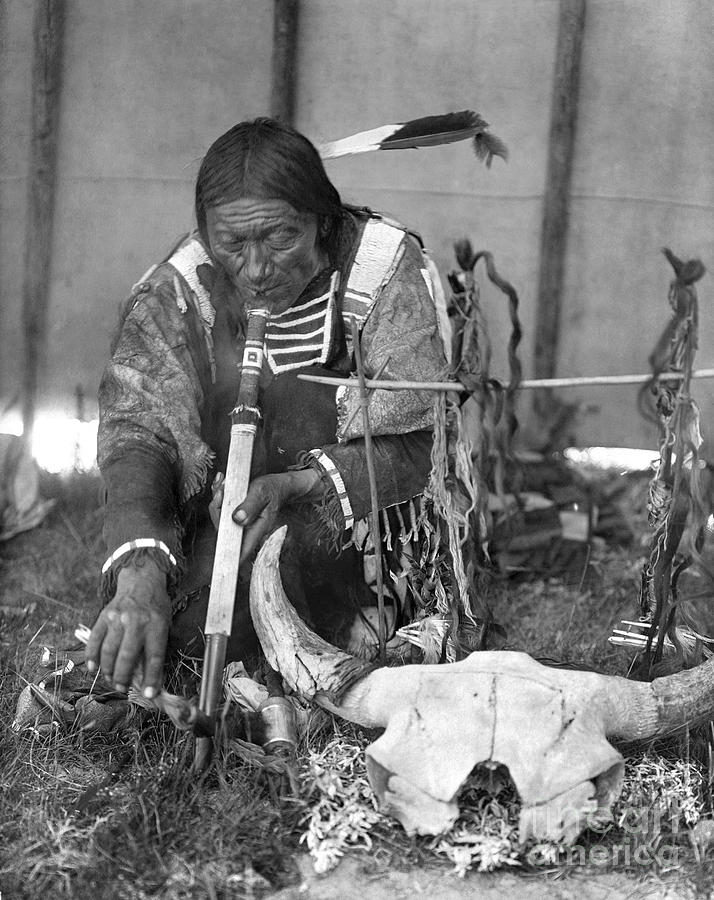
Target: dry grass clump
{"x":342,"y":808}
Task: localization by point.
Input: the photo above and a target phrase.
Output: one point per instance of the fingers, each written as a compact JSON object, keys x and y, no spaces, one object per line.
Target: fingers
{"x":94,"y":644}
{"x":262,"y":492}
{"x":257,"y":513}
{"x":113,"y":639}
{"x":218,"y":491}
{"x":122,"y":645}
{"x":250,"y":508}
{"x":127,"y":659}
{"x":254,"y":534}
{"x":154,"y":651}
{"x":218,"y":487}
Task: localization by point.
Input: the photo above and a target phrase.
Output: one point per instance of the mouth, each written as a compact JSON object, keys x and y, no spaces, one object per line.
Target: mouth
{"x":261,"y":291}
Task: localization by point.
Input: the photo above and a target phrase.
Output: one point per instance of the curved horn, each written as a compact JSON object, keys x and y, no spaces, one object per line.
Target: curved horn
{"x":309,"y":664}
{"x":644,"y":710}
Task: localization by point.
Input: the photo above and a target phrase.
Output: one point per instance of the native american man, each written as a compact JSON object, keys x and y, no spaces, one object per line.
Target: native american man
{"x":269,"y":222}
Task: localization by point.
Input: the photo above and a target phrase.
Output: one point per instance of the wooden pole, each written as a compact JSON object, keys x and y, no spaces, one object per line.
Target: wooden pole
{"x":46,"y":79}
{"x":282,"y":85}
{"x":554,"y":230}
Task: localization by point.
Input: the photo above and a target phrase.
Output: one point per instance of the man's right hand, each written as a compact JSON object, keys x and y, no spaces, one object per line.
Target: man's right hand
{"x":131,"y":632}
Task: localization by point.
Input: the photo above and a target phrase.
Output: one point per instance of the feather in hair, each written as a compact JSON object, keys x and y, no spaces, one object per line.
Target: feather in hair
{"x":429,"y":131}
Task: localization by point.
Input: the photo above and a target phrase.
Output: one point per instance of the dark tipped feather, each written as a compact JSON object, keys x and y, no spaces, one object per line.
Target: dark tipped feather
{"x":431,"y":131}
{"x":486,"y":146}
{"x":428,"y":131}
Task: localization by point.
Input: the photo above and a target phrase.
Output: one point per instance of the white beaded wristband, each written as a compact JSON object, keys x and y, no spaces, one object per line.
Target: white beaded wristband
{"x":330,"y":469}
{"x":135,"y":545}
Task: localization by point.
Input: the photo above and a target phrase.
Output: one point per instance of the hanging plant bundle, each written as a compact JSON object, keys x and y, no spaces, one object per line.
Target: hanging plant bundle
{"x":676,"y":507}
{"x":467,"y":463}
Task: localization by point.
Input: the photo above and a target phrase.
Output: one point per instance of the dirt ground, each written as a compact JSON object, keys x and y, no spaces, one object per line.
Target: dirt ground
{"x":355,"y":880}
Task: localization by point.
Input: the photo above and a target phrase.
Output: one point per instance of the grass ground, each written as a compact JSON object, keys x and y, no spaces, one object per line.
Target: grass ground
{"x":148,"y":828}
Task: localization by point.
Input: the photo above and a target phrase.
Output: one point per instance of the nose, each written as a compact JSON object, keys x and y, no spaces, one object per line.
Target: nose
{"x":256,"y":265}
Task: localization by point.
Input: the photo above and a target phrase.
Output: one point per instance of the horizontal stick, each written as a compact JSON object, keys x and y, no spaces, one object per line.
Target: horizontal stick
{"x":625,"y":642}
{"x":640,"y":638}
{"x":526,"y":385}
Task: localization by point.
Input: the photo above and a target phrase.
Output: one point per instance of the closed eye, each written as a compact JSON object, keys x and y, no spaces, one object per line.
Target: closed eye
{"x":283,"y":238}
{"x":282,"y":243}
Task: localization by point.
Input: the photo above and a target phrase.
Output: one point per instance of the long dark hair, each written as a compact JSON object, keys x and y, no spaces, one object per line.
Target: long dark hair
{"x":269,"y":160}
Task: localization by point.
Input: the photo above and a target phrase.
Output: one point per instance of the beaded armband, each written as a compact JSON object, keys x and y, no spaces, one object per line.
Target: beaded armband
{"x":330,"y":470}
{"x":137,"y":544}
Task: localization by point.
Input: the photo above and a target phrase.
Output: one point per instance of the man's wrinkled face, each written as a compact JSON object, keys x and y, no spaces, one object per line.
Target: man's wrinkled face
{"x":268,"y":249}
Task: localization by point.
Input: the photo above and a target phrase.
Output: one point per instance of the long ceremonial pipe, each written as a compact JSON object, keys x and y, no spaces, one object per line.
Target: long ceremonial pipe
{"x":577,"y":381}
{"x":224,"y":580}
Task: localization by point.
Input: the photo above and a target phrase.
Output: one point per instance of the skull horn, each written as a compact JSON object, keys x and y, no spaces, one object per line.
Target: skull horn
{"x":309,"y":664}
{"x":645,"y":710}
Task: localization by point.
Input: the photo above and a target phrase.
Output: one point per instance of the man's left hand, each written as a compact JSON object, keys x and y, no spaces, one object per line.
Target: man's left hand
{"x":265,"y":498}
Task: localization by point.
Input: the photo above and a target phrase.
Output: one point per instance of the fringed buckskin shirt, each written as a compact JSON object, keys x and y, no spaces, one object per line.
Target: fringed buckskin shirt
{"x":166,"y":395}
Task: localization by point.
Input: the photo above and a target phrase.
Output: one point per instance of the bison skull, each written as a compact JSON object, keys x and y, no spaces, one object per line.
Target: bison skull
{"x":550,"y":727}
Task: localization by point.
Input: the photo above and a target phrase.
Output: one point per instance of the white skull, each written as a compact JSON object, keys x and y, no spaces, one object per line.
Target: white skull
{"x":495,"y":708}
{"x":549,"y":726}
